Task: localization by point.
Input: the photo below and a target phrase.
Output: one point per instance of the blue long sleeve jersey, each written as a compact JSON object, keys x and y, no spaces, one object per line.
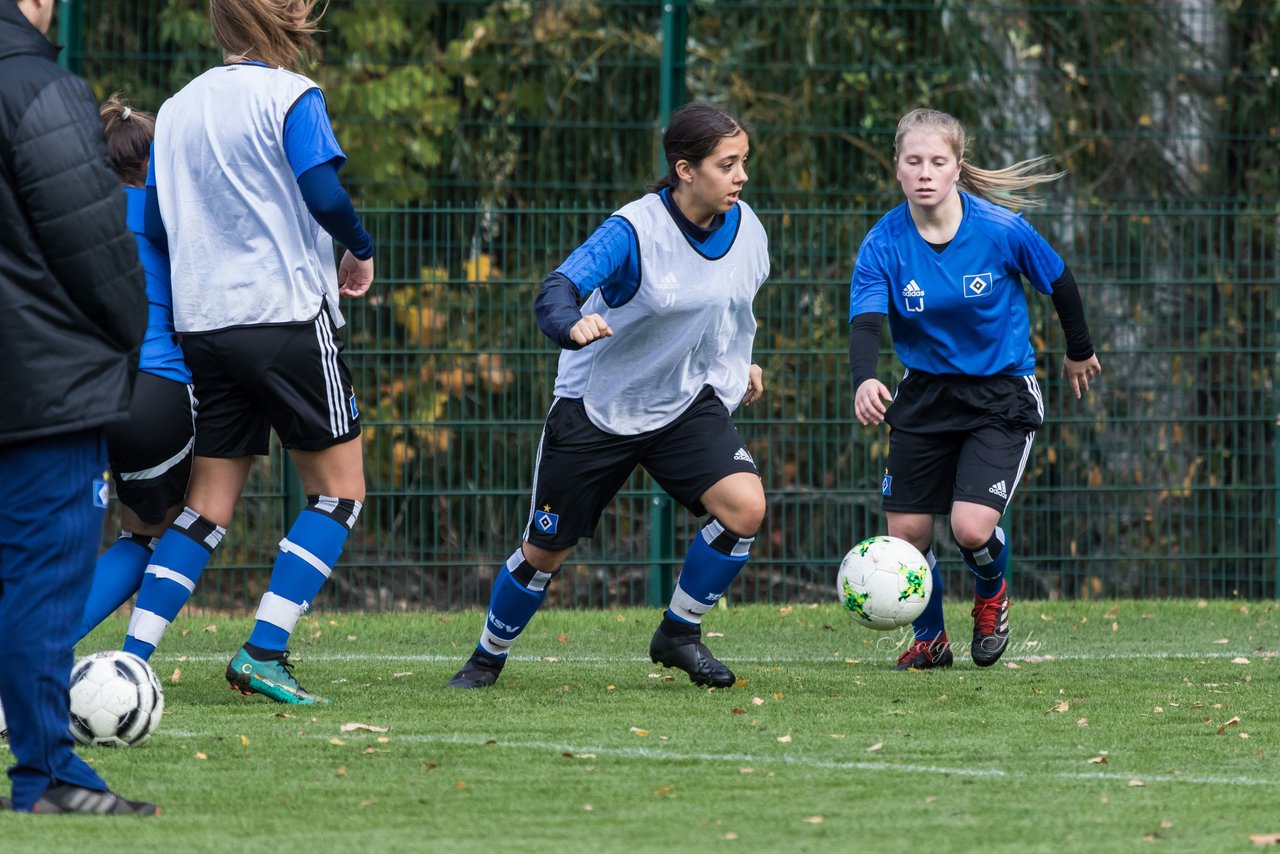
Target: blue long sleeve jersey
{"x":315,"y":158}
{"x":610,"y":260}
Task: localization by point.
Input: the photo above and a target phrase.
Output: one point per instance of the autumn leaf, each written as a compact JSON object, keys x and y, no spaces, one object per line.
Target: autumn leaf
{"x":1012,"y":665}
{"x":1082,"y":722}
{"x":342,"y":771}
{"x":1136,"y":784}
{"x":244,"y":741}
{"x":1098,"y":760}
{"x":1265,"y":838}
{"x":359,"y":727}
{"x":663,"y":790}
{"x":756,"y":701}
{"x":1240,"y":659}
{"x":213,"y":630}
{"x":639,"y":732}
{"x":785,"y":739}
{"x":337,"y":741}
{"x":813,"y":819}
{"x":715,"y":634}
{"x":562,"y":638}
{"x":1061,"y":707}
{"x":738,"y":711}
{"x":201,"y":756}
{"x":875,"y":747}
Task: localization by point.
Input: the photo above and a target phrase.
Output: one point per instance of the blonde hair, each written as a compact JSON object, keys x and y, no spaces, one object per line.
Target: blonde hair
{"x":128,"y":134}
{"x":277,"y":32}
{"x":1002,"y":186}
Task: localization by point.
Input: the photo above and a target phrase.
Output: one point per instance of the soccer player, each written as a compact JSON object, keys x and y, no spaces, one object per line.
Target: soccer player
{"x":73,"y":309}
{"x":244,"y":189}
{"x":150,"y":452}
{"x":947,"y":267}
{"x":652,"y":366}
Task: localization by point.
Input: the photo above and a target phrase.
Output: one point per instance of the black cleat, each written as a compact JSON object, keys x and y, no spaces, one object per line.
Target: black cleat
{"x":65,"y":798}
{"x":480,"y":671}
{"x":683,"y":649}
{"x":926,"y":655}
{"x":990,"y":628}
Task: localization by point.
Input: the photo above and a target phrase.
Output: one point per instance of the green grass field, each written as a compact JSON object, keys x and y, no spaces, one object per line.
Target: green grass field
{"x":1108,"y":726}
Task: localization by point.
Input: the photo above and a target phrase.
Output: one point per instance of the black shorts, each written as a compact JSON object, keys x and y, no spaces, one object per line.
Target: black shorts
{"x":150,"y":452}
{"x":252,"y":379}
{"x":580,"y":467}
{"x":958,"y":439}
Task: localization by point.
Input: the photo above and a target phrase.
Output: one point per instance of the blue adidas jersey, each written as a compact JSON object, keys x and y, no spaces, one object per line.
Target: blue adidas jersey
{"x":161,"y":354}
{"x":962,"y":310}
{"x":610,"y":257}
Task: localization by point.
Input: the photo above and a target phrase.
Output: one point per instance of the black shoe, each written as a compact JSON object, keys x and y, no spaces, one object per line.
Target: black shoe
{"x":683,"y":649}
{"x":65,"y":798}
{"x":990,"y":628}
{"x":480,"y":671}
{"x":926,"y":655}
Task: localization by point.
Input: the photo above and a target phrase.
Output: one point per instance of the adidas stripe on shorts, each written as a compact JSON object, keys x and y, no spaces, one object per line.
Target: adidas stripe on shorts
{"x":580,"y":467}
{"x":250,"y":380}
{"x":956,"y":438}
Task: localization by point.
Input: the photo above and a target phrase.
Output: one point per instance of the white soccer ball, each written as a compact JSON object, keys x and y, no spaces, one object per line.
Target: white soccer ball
{"x":884,"y":583}
{"x":116,"y":700}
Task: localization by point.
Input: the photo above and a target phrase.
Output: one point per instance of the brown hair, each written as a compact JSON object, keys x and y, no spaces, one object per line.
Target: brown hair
{"x":692,"y":133}
{"x":1002,"y":186}
{"x":277,"y":32}
{"x":128,"y":133}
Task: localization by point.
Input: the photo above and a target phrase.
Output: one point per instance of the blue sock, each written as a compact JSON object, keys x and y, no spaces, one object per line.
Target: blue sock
{"x":518,"y":591}
{"x":171,"y":578}
{"x":714,"y":559}
{"x":307,"y":557}
{"x":929,"y":624}
{"x":116,"y":576}
{"x":988,"y":564}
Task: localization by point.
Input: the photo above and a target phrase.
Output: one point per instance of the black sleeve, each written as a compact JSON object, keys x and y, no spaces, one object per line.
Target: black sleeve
{"x":864,"y":346}
{"x":77,"y":210}
{"x":557,"y":309}
{"x":1066,"y":301}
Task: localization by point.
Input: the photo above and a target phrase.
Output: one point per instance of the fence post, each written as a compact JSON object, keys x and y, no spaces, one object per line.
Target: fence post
{"x":662,"y":535}
{"x":70,"y":35}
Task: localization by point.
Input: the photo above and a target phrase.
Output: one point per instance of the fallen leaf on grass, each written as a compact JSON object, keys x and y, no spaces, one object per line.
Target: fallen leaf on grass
{"x":1222,"y":640}
{"x":730,"y":836}
{"x":562,"y":638}
{"x":200,"y":755}
{"x":1012,"y":665}
{"x":213,"y":630}
{"x":1099,"y":760}
{"x":1136,"y":784}
{"x":337,"y":741}
{"x":549,"y":658}
{"x":777,"y":696}
{"x":1158,"y":710}
{"x":283,"y":715}
{"x":715,"y":634}
{"x":875,"y":747}
{"x":756,"y":701}
{"x":244,"y":741}
{"x":359,"y":727}
{"x":461,"y":784}
{"x":177,"y":674}
{"x":1265,"y":838}
{"x":738,"y":711}
{"x":1240,"y":659}
{"x":639,"y":732}
{"x":746,"y":770}
{"x":401,"y":674}
{"x":1061,"y":707}
{"x":663,"y":790}
{"x":342,"y":771}
{"x":1235,"y":721}
{"x":1082,"y":722}
{"x":785,"y":739}
{"x":813,"y":819}
{"x":369,"y":750}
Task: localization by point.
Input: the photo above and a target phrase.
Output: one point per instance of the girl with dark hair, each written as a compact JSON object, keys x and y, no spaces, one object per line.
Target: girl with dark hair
{"x":246,"y":195}
{"x":652,"y":365}
{"x":150,"y":453}
{"x":947,"y":266}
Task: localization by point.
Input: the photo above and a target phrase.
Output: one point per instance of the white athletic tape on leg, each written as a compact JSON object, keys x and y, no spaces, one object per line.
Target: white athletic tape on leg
{"x":165,"y":574}
{"x":686,"y":607}
{"x":289,"y":547}
{"x":147,"y":627}
{"x":279,"y":611}
{"x":493,"y":644}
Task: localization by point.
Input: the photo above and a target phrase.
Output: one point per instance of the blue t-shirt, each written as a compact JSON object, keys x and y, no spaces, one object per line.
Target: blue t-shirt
{"x":962,"y":310}
{"x":161,"y":354}
{"x":610,"y":257}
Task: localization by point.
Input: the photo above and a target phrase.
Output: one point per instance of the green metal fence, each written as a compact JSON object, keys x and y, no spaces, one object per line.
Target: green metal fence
{"x":488,"y":139}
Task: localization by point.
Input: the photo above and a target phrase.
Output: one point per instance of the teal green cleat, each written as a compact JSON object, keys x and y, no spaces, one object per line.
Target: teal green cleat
{"x":272,"y":679}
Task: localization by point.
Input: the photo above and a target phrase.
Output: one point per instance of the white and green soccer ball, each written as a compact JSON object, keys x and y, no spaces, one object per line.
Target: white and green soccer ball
{"x":116,"y":700}
{"x":884,"y":583}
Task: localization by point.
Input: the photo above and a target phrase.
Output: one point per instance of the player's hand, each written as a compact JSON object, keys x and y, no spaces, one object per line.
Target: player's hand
{"x":588,"y":329}
{"x":354,"y":276}
{"x":871,"y":401}
{"x":755,"y":386}
{"x":1079,"y":373}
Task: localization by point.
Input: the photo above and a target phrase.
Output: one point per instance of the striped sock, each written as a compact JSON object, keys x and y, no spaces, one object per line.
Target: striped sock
{"x":518,"y":592}
{"x":116,"y":576}
{"x":714,"y":559}
{"x":170,"y":579}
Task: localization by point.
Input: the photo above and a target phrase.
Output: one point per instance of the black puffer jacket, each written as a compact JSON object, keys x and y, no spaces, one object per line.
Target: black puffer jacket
{"x":73,"y":302}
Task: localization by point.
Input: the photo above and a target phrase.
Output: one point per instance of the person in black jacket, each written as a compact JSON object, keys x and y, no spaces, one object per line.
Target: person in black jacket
{"x":73,"y":309}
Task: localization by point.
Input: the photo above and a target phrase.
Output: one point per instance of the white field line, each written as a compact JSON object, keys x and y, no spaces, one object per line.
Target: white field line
{"x":759,"y":761}
{"x":862,"y":657}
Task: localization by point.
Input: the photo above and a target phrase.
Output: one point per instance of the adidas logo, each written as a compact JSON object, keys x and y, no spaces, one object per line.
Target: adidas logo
{"x":668,"y":281}
{"x":912,"y":290}
{"x":999,"y":489}
{"x":741,"y":454}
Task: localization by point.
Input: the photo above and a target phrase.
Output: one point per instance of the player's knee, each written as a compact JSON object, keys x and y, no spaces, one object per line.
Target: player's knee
{"x":745,"y":515}
{"x":970,"y":534}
